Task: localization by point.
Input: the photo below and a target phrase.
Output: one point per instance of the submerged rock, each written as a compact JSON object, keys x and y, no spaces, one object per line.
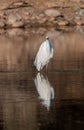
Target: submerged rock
{"x":41,"y":31}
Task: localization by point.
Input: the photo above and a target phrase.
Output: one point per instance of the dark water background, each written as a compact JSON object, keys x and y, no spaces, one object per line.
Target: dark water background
{"x":20,"y":105}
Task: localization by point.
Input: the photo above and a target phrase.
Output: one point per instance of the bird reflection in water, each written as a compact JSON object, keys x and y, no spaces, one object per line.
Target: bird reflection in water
{"x":44,"y":89}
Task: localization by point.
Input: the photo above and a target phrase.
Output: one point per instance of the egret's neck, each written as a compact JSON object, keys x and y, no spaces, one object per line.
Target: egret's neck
{"x":50,"y":45}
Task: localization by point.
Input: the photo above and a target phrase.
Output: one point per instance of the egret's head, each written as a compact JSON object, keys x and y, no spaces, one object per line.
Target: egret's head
{"x":47,"y":37}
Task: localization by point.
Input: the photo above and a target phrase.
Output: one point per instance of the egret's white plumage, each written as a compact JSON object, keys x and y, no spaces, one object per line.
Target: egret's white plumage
{"x":45,"y":53}
{"x":44,"y":89}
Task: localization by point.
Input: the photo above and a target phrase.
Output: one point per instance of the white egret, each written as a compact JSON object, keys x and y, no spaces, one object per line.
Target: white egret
{"x":45,"y":53}
{"x":44,"y":89}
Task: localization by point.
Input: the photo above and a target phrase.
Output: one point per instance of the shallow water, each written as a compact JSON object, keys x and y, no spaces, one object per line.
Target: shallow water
{"x":25,"y":102}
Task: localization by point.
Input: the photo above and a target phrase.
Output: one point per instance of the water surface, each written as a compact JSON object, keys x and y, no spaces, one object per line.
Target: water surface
{"x":26,"y":105}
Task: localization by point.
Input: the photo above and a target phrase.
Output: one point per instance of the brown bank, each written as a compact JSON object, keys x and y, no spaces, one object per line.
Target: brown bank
{"x":25,"y":13}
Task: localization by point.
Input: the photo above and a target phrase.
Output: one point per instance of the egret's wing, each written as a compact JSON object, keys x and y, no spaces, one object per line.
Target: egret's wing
{"x":39,"y":56}
{"x":42,"y":56}
{"x":43,"y":53}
